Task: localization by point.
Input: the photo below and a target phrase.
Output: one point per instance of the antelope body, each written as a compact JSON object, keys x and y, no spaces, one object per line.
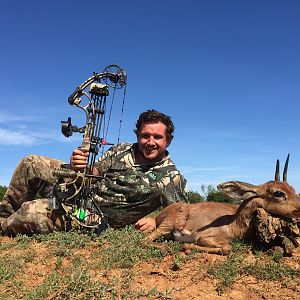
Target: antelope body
{"x":211,"y":226}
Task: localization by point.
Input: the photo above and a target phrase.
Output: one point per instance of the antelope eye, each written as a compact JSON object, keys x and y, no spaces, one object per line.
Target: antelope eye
{"x":278,"y":194}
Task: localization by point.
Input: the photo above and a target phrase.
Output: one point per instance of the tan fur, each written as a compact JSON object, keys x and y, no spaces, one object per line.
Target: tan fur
{"x":211,"y":226}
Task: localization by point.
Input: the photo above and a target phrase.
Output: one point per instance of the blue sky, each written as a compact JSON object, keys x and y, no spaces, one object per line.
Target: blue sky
{"x":228,"y":72}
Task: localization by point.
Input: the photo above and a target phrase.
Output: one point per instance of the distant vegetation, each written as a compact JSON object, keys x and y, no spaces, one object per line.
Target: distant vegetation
{"x":195,"y":197}
{"x":3,"y":189}
{"x":209,"y":193}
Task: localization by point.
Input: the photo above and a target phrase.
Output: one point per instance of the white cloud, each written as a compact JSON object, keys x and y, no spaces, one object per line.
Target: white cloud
{"x":20,"y":130}
{"x":11,"y":137}
{"x":31,"y":137}
{"x":6,"y":118}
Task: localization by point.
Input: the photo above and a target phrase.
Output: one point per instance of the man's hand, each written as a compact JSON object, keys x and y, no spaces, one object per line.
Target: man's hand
{"x":146,"y":224}
{"x":78,"y":160}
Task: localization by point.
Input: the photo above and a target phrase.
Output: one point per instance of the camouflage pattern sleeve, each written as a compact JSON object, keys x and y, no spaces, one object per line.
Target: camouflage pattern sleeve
{"x":104,"y":163}
{"x":111,"y":157}
{"x":174,"y":188}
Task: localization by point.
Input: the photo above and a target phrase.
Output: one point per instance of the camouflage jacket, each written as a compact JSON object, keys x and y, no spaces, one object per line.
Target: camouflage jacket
{"x":129,"y":191}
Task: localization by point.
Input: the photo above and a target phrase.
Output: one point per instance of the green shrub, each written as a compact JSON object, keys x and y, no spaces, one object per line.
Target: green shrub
{"x":195,"y":197}
{"x":211,"y":194}
{"x":3,"y":189}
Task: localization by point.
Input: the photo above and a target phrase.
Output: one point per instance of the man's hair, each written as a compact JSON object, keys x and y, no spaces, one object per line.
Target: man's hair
{"x":154,"y":116}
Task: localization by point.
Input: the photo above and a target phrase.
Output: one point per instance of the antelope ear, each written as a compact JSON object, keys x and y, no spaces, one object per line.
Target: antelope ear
{"x":238,"y":189}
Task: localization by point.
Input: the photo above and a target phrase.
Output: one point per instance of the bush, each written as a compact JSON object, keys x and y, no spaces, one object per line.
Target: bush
{"x":217,"y":196}
{"x":195,"y":197}
{"x":211,"y":194}
{"x":3,"y":189}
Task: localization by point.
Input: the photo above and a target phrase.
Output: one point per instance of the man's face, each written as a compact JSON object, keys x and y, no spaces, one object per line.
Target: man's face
{"x":152,"y":142}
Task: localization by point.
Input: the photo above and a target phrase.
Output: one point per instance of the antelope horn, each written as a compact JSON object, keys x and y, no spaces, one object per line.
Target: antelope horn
{"x":277,"y":176}
{"x":286,"y":168}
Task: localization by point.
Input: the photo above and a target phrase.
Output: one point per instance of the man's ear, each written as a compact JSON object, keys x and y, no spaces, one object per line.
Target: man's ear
{"x":238,"y":189}
{"x":169,"y":141}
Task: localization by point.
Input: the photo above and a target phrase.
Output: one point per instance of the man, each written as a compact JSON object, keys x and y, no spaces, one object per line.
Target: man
{"x":139,"y":178}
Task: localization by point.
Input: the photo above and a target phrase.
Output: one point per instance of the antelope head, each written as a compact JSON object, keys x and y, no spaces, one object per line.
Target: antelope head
{"x":276,"y":197}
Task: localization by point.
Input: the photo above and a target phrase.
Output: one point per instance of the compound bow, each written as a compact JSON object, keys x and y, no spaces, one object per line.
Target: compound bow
{"x":73,"y":189}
